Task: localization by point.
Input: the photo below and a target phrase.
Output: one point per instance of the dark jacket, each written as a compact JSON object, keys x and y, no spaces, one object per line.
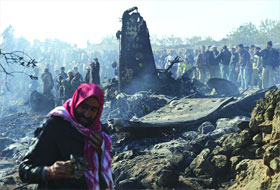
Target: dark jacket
{"x":270,"y":57}
{"x":244,"y":58}
{"x":233,"y":59}
{"x":209,"y":58}
{"x":216,"y":58}
{"x":56,"y":142}
{"x":201,"y":59}
{"x":94,"y":72}
{"x":224,"y":57}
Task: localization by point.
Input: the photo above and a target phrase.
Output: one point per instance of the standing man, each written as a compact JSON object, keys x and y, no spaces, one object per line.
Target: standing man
{"x":76,"y":81}
{"x":68,"y":89}
{"x":71,"y":129}
{"x":47,"y":82}
{"x":63,"y":73}
{"x":172,"y":55}
{"x":270,"y":62}
{"x":115,"y":68}
{"x":216,"y":62}
{"x":76,"y":73}
{"x":92,"y":75}
{"x":232,"y":66}
{"x":244,"y":64}
{"x":202,"y":65}
{"x":212,"y":66}
{"x":224,"y":58}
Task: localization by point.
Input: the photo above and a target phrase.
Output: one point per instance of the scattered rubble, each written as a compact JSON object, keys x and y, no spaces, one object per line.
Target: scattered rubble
{"x":194,"y":140}
{"x":214,"y":152}
{"x":16,"y":135}
{"x":134,"y":106}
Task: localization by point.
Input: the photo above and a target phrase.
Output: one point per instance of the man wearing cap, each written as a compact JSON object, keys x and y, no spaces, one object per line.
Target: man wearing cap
{"x":270,"y":62}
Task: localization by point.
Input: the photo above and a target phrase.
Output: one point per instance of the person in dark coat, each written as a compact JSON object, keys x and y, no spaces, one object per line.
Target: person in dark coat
{"x":270,"y":62}
{"x":244,"y":66}
{"x":233,"y":66}
{"x":71,"y":130}
{"x":47,"y":82}
{"x":93,"y":75}
{"x":202,"y":65}
{"x":224,"y":58}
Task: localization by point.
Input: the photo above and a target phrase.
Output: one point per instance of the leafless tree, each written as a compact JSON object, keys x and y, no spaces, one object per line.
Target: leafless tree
{"x":19,"y":58}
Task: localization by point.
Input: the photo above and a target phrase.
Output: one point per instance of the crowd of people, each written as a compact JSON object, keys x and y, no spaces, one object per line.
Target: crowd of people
{"x":63,"y":84}
{"x":63,"y":67}
{"x":247,"y":67}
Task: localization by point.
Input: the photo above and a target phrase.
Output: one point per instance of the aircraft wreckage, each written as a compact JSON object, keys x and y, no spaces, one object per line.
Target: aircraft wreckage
{"x":198,"y":103}
{"x":137,"y":69}
{"x":137,"y":72}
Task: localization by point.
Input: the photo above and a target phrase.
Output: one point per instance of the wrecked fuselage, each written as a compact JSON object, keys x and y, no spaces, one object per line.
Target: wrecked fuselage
{"x":137,"y":69}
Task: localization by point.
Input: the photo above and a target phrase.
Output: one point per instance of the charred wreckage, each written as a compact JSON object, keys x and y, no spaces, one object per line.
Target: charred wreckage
{"x":195,"y":139}
{"x":137,"y":69}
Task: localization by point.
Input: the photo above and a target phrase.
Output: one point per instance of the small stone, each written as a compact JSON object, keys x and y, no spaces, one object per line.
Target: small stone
{"x":274,"y":164}
{"x":243,"y":125}
{"x":257,"y":138}
{"x":205,"y":128}
{"x":266,"y":138}
{"x":234,"y":161}
{"x":259,"y":152}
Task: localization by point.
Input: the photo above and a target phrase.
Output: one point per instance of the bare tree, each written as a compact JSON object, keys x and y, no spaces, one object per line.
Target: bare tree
{"x":18,"y":58}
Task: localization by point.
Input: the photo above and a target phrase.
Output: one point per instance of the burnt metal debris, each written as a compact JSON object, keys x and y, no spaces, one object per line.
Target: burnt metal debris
{"x":136,"y":62}
{"x":223,"y":87}
{"x":137,"y":68}
{"x":41,"y":102}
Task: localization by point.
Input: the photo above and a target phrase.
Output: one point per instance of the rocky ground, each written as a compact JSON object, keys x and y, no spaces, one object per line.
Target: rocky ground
{"x":233,"y":152}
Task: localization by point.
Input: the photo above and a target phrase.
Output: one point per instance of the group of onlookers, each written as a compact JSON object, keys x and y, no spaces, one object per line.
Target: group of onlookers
{"x":245,"y":66}
{"x":63,"y":85}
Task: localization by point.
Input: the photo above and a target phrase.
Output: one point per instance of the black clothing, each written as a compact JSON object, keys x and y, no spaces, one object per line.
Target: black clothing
{"x":233,"y":59}
{"x":224,"y":57}
{"x":270,"y":57}
{"x":216,"y":59}
{"x":244,"y":58}
{"x":57,"y":140}
{"x":92,"y":75}
{"x":201,"y":59}
{"x":64,"y":75}
{"x":210,"y":60}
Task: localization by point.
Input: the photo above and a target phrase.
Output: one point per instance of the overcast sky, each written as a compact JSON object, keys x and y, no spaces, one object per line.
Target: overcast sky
{"x":77,"y":21}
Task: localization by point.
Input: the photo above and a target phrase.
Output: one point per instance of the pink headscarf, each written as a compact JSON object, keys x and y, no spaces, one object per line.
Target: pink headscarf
{"x":83,"y":92}
{"x":66,"y":111}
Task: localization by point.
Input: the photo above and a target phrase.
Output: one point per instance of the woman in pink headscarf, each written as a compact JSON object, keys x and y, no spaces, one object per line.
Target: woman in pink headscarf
{"x":73,"y":128}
